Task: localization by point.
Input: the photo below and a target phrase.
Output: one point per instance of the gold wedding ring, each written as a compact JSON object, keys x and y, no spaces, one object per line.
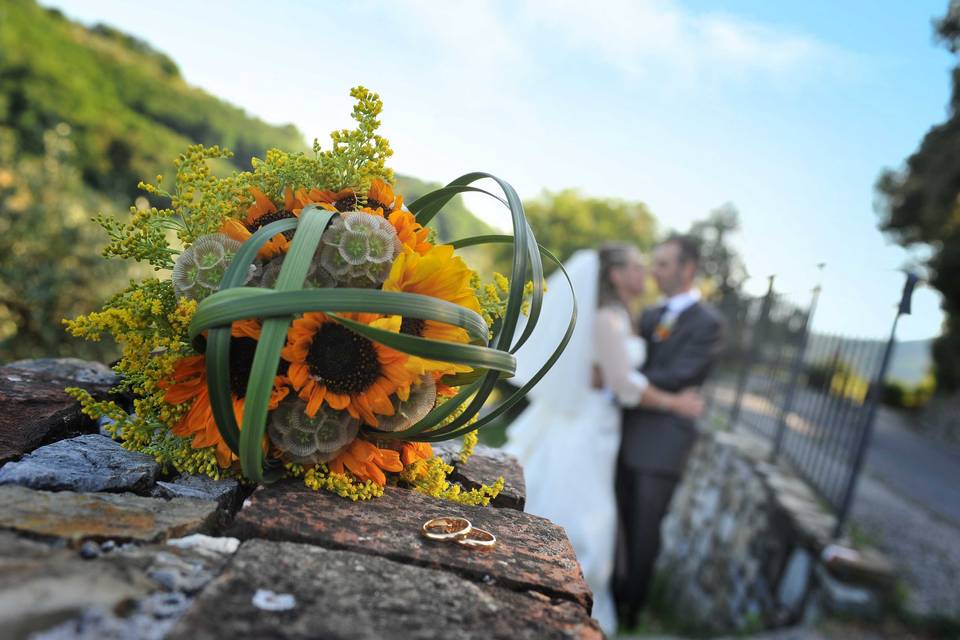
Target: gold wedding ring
{"x":446,"y":528}
{"x":478,"y":538}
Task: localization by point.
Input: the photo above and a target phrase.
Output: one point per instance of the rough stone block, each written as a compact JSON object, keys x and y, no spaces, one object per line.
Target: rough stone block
{"x":223,"y":492}
{"x":34,"y":410}
{"x":532,"y":553}
{"x":131,"y":591}
{"x":292,"y":591}
{"x":86,"y":463}
{"x":844,"y":599}
{"x":75,"y":517}
{"x":484,"y":467}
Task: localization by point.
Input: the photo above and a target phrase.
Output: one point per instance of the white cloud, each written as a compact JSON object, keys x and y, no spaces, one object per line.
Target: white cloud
{"x":653,"y":37}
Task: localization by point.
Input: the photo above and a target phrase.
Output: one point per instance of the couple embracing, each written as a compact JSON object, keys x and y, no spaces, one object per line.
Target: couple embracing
{"x":608,"y":430}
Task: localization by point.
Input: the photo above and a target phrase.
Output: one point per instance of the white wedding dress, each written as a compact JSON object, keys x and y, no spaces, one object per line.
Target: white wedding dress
{"x":568,"y":438}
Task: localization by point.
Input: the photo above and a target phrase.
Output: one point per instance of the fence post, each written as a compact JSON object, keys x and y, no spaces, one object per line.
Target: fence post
{"x":873,"y":402}
{"x":795,"y":371}
{"x":751,"y":354}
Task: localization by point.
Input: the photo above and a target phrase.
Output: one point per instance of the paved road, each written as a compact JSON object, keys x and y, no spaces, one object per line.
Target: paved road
{"x":922,"y":470}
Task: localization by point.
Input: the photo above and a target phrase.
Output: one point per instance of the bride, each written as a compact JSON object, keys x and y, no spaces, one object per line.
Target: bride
{"x":568,"y":438}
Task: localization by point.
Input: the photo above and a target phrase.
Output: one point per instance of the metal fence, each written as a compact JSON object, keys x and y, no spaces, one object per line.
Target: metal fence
{"x":813,"y":396}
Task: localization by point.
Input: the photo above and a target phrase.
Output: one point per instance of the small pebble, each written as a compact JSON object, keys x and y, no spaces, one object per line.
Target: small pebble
{"x":90,"y":550}
{"x":108,"y":546}
{"x":270,"y":601}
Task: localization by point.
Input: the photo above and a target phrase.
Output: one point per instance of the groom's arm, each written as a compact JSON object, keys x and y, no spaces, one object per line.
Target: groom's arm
{"x":692,"y":360}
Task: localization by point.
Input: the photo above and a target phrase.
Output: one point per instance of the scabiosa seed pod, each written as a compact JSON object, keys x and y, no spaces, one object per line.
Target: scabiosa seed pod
{"x":359,"y":248}
{"x":317,"y":276}
{"x":307,"y":440}
{"x":423,"y":397}
{"x":199,"y":268}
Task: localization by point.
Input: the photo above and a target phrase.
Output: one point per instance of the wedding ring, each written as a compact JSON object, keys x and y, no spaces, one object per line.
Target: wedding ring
{"x":478,"y":538}
{"x":446,"y":528}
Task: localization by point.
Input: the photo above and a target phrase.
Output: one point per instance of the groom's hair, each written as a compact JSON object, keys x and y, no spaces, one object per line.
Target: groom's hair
{"x":689,"y":248}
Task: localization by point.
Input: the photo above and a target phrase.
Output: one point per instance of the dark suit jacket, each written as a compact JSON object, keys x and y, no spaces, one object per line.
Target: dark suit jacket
{"x":655,"y":441}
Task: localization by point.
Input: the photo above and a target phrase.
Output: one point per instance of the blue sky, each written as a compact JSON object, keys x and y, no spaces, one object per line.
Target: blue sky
{"x":788,"y":110}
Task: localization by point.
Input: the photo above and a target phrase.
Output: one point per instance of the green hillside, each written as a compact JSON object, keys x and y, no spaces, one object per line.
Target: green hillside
{"x":130,"y":110}
{"x":85,"y":114}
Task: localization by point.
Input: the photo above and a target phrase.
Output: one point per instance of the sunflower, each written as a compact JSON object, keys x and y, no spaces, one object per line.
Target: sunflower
{"x":296,"y":201}
{"x":411,"y":452}
{"x":261,"y":213}
{"x":365,"y":461}
{"x":189,"y":383}
{"x":330,"y":363}
{"x":440,"y":274}
{"x":381,"y":197}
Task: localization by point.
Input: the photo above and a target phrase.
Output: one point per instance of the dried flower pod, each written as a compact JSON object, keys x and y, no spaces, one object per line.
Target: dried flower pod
{"x":307,"y":440}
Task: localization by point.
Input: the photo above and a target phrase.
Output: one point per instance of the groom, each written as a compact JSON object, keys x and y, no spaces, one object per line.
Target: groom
{"x":683,"y":336}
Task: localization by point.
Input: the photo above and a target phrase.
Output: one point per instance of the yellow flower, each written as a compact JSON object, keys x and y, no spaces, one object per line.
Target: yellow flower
{"x":440,"y":274}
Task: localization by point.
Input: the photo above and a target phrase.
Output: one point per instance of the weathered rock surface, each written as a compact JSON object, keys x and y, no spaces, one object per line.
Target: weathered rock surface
{"x":81,"y":372}
{"x":75,"y":517}
{"x":286,"y":590}
{"x":127,"y":592}
{"x":33,"y":410}
{"x":86,"y":463}
{"x":485,"y":466}
{"x":725,"y":542}
{"x":532,"y":553}
{"x":223,"y":492}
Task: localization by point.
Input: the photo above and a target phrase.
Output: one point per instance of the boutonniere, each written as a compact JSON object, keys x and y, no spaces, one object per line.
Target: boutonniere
{"x":664,"y":328}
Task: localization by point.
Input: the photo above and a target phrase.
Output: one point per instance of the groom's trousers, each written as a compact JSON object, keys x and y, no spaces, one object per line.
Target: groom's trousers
{"x":643,"y":497}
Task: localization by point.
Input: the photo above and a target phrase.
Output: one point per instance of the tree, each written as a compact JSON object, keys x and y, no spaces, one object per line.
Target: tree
{"x":566,"y":221}
{"x":50,"y":266}
{"x":720,"y":263}
{"x":919,"y":205}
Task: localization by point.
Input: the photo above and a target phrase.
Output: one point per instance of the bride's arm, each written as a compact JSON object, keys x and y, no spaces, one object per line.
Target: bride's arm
{"x":611,"y":335}
{"x":630,"y":387}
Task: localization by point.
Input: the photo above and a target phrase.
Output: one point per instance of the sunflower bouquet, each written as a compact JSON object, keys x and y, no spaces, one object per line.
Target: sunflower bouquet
{"x":305,"y":321}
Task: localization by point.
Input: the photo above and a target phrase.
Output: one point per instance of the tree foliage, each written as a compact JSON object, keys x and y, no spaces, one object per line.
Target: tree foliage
{"x":721,"y":264}
{"x":919,"y":205}
{"x":567,"y":220}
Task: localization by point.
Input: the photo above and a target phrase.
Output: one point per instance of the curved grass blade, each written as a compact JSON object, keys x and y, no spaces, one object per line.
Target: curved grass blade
{"x":218,"y":338}
{"x":273,"y":334}
{"x":223,"y":307}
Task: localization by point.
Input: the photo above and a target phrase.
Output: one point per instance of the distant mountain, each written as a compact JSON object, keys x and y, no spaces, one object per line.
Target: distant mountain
{"x":129,"y":109}
{"x":911,"y":362}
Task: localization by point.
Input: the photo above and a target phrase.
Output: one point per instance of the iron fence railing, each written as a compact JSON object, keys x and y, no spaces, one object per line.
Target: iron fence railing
{"x":813,"y":396}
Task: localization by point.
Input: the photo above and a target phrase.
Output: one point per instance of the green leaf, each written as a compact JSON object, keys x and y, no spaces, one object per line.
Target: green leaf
{"x":218,"y":338}
{"x":273,"y":335}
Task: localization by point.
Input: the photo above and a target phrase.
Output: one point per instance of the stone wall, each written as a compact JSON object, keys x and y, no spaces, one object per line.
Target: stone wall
{"x":747,"y":545}
{"x":99,"y":542}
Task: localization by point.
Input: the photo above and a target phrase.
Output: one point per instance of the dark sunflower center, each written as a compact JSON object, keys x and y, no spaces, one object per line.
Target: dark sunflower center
{"x":346,"y":203}
{"x":241,"y":362}
{"x":264,"y":220}
{"x":344,"y":361}
{"x":375,"y":204}
{"x":412,"y":326}
{"x":242,"y":350}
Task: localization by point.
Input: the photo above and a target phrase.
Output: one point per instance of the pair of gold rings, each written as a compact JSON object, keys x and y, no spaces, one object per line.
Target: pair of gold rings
{"x":459,"y":530}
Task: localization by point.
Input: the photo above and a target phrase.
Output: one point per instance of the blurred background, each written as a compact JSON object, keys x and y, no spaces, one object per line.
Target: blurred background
{"x":814,"y":148}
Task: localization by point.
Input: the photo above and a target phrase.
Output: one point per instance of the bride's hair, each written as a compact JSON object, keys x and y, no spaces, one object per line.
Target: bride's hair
{"x":612,"y":255}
